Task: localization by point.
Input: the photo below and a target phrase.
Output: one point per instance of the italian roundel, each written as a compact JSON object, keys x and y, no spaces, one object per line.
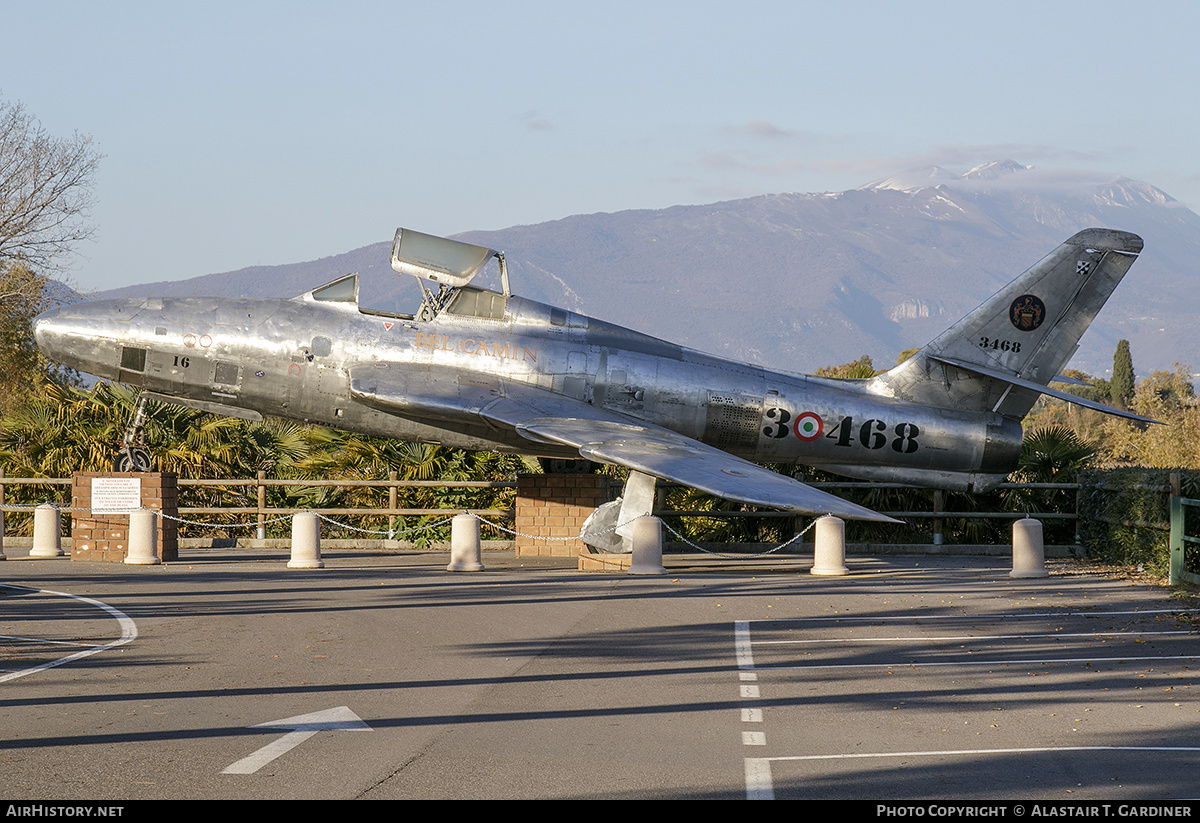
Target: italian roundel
{"x":808,"y":426}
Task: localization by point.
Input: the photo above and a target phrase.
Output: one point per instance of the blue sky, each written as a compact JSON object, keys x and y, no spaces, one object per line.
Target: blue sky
{"x":249,"y":133}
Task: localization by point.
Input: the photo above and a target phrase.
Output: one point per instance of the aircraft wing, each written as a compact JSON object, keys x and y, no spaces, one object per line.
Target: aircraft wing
{"x":666,"y":454}
{"x":606,"y":437}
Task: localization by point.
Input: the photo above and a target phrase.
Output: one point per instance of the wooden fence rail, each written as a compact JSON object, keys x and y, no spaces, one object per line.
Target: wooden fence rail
{"x":261,"y":512}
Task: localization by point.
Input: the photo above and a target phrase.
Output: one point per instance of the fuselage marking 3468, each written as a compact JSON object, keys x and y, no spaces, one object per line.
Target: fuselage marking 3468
{"x":871,"y":434}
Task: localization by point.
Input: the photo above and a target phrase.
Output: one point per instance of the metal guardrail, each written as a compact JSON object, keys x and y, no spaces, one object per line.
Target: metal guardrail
{"x":1180,"y":539}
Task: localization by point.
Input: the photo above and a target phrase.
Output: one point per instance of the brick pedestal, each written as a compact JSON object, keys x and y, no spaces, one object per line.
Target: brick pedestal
{"x":106,"y":536}
{"x":555,"y":505}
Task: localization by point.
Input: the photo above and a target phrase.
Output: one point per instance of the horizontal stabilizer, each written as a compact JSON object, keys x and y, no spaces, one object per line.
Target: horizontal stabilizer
{"x":1038,"y":387}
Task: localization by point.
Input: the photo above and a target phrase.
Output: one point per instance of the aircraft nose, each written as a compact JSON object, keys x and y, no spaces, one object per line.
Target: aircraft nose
{"x":45,"y":330}
{"x":58,"y":334}
{"x":87,"y":336}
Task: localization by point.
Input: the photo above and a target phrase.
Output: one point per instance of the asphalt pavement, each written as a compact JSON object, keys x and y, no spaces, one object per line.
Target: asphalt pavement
{"x":226,"y":675}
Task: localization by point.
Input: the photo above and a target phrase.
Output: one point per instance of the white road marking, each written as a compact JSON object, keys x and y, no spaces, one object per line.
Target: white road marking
{"x":990,"y":751}
{"x":838,"y":618}
{"x":927,"y":638}
{"x":758,"y":779}
{"x":758,"y":770}
{"x":301,"y":728}
{"x":741,"y":644}
{"x":128,"y":633}
{"x":759,"y":785}
{"x":274,"y":749}
{"x":909,"y":664}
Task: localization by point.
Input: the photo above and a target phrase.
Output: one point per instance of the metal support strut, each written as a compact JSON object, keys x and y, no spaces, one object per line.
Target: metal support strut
{"x":133,"y":455}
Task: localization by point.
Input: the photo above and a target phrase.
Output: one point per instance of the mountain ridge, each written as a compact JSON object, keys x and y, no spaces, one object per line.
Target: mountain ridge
{"x":796,"y":281}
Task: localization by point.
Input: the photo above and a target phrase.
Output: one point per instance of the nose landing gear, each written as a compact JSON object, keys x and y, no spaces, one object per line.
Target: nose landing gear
{"x":131,"y":459}
{"x":133,"y":455}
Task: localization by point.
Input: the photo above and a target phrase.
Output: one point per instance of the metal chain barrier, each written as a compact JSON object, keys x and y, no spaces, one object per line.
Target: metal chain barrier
{"x":780,"y":547}
{"x":391,"y":533}
{"x":682,"y":539}
{"x":161,"y":514}
{"x":217,"y":525}
{"x":250,"y":525}
{"x":7,"y":508}
{"x":498,"y":527}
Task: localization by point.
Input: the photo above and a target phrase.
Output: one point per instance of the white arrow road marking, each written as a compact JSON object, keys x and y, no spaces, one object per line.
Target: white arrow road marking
{"x":300,"y":729}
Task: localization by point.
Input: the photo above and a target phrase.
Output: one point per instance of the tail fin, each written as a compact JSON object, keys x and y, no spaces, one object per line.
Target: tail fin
{"x":1001,"y":356}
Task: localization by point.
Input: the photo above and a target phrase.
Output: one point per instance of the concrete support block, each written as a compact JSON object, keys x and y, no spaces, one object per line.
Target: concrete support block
{"x":306,"y":542}
{"x":143,"y":539}
{"x":647,"y":546}
{"x":47,"y":534}
{"x":464,"y":544}
{"x":1029,"y":553}
{"x":829,"y":547}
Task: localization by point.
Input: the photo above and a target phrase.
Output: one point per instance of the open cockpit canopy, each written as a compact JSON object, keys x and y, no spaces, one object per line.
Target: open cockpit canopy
{"x":447,"y":262}
{"x":451,"y":264}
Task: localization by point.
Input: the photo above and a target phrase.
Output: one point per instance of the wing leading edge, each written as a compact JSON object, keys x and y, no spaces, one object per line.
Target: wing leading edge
{"x":671,"y":456}
{"x":544,"y":417}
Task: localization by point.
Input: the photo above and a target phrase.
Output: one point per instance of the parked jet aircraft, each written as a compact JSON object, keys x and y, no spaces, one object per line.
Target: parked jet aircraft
{"x":481,"y":369}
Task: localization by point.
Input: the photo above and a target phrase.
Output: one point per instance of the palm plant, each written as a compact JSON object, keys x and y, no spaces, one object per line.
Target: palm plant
{"x":1052,"y":454}
{"x":65,"y":430}
{"x":354,"y":456}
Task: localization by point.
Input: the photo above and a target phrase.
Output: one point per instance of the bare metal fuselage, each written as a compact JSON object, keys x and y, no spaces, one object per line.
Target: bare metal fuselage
{"x":300,"y":358}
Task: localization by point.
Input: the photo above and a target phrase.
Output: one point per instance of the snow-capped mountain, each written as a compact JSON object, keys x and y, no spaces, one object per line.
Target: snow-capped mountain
{"x":798,"y":281}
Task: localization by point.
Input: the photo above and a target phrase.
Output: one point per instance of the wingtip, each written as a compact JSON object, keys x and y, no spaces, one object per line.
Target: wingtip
{"x":856,"y":512}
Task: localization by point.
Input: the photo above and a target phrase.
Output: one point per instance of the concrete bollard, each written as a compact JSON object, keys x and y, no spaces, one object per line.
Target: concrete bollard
{"x":2,"y":557}
{"x":1029,"y":553}
{"x":143,"y":539}
{"x":647,"y":546}
{"x":829,"y":547}
{"x":464,"y":544}
{"x":47,"y":538}
{"x":306,"y":542}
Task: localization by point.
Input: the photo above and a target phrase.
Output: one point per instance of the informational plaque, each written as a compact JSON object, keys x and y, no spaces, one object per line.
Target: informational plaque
{"x":116,"y":495}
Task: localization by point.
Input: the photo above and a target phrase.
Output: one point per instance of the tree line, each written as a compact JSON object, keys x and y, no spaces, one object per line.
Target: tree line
{"x":1167,"y":396}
